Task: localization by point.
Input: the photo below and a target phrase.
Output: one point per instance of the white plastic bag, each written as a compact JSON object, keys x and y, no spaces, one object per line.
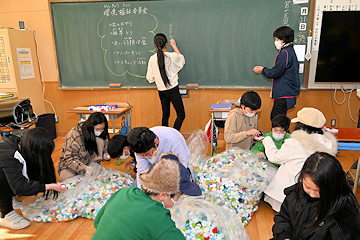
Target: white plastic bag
{"x":198,"y":218}
{"x":197,"y":146}
{"x":235,"y":179}
{"x":84,"y":197}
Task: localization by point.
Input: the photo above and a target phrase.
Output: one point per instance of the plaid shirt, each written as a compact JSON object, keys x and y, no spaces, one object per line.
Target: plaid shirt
{"x":74,"y":156}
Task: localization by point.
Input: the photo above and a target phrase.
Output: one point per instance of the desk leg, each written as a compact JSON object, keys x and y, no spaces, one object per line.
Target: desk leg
{"x":129,"y":119}
{"x":212,"y":134}
{"x":113,"y":123}
{"x":357,"y":177}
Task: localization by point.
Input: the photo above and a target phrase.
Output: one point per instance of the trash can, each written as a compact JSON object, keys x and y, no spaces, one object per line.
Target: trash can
{"x":47,"y":121}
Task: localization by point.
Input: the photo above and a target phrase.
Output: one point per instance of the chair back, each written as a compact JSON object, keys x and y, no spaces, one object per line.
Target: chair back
{"x":226,"y":101}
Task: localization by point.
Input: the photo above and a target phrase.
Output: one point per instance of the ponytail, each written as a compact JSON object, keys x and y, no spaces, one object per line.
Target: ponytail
{"x":160,"y":42}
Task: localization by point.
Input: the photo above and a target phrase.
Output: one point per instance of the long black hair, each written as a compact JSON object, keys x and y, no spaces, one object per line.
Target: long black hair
{"x":88,"y":135}
{"x":36,"y":146}
{"x":160,"y":41}
{"x":335,"y":193}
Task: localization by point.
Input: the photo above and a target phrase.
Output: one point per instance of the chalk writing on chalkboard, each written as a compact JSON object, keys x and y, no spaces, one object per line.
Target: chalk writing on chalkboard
{"x":99,"y":43}
{"x":123,"y":40}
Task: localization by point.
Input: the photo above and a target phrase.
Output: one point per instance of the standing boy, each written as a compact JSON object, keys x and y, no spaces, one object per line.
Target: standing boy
{"x":285,"y":73}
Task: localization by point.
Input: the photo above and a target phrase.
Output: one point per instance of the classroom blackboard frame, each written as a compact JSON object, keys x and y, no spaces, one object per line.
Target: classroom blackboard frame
{"x":220,"y":59}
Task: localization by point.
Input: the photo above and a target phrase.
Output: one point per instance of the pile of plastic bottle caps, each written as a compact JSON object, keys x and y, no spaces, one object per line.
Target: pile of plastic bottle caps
{"x":84,"y":197}
{"x":102,"y":108}
{"x":235,"y":179}
{"x":199,"y":219}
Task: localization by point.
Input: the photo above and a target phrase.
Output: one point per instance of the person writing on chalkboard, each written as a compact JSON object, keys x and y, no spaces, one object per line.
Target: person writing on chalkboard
{"x":242,"y":122}
{"x":163,"y":69}
{"x":285,"y":73}
{"x":85,"y":143}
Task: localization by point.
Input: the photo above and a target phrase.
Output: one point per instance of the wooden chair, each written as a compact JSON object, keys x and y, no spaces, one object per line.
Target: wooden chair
{"x":227,"y":101}
{"x":221,"y":123}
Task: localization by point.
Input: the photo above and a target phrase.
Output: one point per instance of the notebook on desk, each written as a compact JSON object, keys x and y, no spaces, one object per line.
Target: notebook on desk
{"x":221,"y":106}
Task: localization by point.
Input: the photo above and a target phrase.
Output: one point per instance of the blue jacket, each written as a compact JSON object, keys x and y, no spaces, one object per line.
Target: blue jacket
{"x":285,"y":74}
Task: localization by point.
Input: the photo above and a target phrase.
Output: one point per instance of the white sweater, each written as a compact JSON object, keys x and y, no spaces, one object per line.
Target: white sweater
{"x":174,"y":62}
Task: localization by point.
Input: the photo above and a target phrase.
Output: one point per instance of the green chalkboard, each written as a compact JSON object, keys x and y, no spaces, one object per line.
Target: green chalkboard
{"x":99,"y":43}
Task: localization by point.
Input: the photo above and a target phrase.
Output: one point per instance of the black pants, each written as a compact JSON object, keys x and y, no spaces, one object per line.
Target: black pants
{"x":279,"y":107}
{"x":5,"y":195}
{"x":172,"y":95}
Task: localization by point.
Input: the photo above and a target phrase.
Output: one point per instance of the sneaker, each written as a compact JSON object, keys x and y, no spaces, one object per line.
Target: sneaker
{"x":14,"y":221}
{"x":16,"y":204}
{"x":192,"y":173}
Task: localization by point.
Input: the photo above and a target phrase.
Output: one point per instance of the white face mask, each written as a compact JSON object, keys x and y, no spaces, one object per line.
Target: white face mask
{"x":278,"y":45}
{"x":124,"y":156}
{"x":97,"y":133}
{"x":172,"y":206}
{"x":278,"y":136}
{"x":248,"y":114}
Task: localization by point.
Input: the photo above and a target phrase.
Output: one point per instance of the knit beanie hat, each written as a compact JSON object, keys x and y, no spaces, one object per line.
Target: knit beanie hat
{"x":163,"y":176}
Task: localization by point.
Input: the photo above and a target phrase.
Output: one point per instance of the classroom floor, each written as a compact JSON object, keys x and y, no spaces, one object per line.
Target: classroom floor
{"x":259,"y":227}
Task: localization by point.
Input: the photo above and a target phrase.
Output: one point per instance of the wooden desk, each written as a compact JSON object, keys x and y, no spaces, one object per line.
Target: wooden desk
{"x":113,"y":114}
{"x":217,"y":115}
{"x":348,"y":134}
{"x":15,"y":131}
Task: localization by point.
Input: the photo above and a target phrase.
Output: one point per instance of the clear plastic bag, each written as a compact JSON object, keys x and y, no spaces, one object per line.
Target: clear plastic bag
{"x":198,"y":218}
{"x":197,"y":146}
{"x":84,"y":197}
{"x":235,"y":179}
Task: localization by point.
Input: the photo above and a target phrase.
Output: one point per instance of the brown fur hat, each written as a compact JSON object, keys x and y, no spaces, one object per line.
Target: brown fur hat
{"x":163,"y":176}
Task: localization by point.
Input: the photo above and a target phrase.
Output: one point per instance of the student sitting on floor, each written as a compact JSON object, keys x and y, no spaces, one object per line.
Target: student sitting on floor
{"x":85,"y":143}
{"x":279,"y":132}
{"x":26,"y":168}
{"x":321,"y":205}
{"x":307,"y":138}
{"x":119,"y":148}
